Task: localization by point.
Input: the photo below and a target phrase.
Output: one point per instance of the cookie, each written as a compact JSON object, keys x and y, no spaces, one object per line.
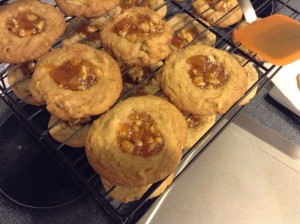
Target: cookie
{"x":128,"y":194}
{"x":19,"y":78}
{"x":252,"y":77}
{"x":86,"y":8}
{"x":62,"y":131}
{"x":144,"y":77}
{"x":133,"y":75}
{"x":203,"y":80}
{"x":138,"y":36}
{"x":186,"y":29}
{"x":76,"y":81}
{"x":197,"y":127}
{"x":243,"y":47}
{"x":151,"y":87}
{"x":138,"y":142}
{"x":218,"y":12}
{"x":83,"y":30}
{"x":29,"y":28}
{"x":156,"y":5}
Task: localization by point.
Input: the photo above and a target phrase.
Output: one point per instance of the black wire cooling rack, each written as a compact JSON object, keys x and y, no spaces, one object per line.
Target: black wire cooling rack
{"x":74,"y":161}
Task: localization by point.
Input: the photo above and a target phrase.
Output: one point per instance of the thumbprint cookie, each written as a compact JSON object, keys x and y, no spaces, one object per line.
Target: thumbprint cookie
{"x":138,"y":36}
{"x":219,"y":13}
{"x":19,"y":78}
{"x":86,"y":8}
{"x":76,"y":81}
{"x":197,"y":127}
{"x":29,"y":28}
{"x":61,"y":131}
{"x":128,"y":194}
{"x":186,"y":29}
{"x":83,"y":29}
{"x":252,"y":77}
{"x":137,"y":142}
{"x":203,"y":80}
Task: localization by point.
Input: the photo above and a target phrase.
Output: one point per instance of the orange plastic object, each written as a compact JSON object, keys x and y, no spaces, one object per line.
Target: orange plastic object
{"x":276,"y":39}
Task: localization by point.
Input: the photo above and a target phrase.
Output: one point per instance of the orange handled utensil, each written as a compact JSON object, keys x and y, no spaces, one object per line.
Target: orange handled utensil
{"x":276,"y":38}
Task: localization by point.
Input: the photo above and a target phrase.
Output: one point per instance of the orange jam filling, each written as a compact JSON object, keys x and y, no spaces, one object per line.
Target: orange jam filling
{"x":138,"y":27}
{"x":75,"y":74}
{"x":193,"y":121}
{"x":140,"y":135}
{"x":24,"y":24}
{"x":183,"y":37}
{"x":206,"y":73}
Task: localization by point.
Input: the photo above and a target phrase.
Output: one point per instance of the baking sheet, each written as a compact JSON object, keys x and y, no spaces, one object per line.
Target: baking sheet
{"x":239,"y":179}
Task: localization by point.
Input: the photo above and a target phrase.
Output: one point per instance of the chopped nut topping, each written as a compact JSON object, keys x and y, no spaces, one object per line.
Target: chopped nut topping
{"x":75,"y":74}
{"x":135,"y":74}
{"x":193,"y":121}
{"x":127,"y":146}
{"x":137,"y":28}
{"x":31,"y":17}
{"x":140,"y":136}
{"x":184,"y":36}
{"x":24,"y":24}
{"x":206,"y":73}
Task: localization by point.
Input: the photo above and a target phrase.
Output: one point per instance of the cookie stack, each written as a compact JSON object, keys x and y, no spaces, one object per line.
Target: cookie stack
{"x":138,"y":142}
